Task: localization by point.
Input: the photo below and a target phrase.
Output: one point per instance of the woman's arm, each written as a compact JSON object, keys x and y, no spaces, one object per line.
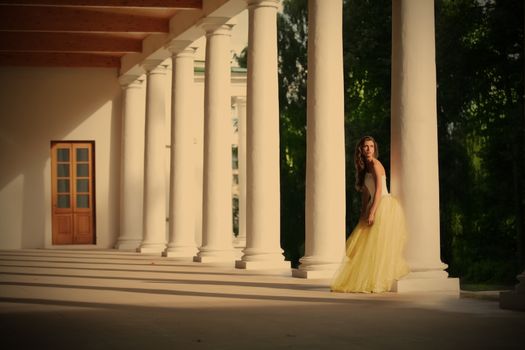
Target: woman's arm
{"x":377,"y":173}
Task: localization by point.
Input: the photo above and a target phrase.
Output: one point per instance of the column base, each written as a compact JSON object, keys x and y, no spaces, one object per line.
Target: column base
{"x":313,"y":274}
{"x":152,"y":248}
{"x":417,"y":284}
{"x":128,"y":244}
{"x":263,"y":265}
{"x":262,"y":259}
{"x":181,"y":253}
{"x":317,"y":266}
{"x":215,"y":256}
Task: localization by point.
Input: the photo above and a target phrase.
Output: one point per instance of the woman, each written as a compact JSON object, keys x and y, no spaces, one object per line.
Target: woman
{"x":374,"y":251}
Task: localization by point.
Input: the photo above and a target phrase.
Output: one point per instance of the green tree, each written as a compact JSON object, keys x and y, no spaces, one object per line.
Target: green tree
{"x":291,"y":41}
{"x":480,"y":110}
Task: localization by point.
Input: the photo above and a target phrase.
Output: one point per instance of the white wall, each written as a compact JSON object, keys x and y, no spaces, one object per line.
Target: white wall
{"x":40,"y":105}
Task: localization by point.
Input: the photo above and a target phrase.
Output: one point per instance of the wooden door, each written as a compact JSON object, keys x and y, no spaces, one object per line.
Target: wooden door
{"x":72,"y":192}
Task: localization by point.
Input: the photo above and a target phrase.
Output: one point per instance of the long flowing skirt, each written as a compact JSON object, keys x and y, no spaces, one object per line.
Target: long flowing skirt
{"x":374,"y":254}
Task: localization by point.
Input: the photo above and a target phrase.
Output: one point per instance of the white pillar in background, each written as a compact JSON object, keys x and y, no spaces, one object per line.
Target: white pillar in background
{"x":325,"y":163}
{"x":240,"y":103}
{"x":217,"y":196}
{"x":132,"y":163}
{"x":414,"y":149}
{"x":154,"y":182}
{"x":182,"y":193}
{"x":263,"y":229}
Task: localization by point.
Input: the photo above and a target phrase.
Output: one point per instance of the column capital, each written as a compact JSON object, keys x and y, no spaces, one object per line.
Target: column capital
{"x":263,"y":3}
{"x":177,"y":46}
{"x":216,"y":25}
{"x":188,"y":52}
{"x":131,"y":81}
{"x":154,"y":66}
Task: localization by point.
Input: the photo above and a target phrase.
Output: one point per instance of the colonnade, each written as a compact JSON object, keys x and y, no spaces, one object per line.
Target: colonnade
{"x":143,"y":218}
{"x":414,"y":177}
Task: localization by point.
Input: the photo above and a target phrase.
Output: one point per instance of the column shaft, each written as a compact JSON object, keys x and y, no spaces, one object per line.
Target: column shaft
{"x":217,"y":197}
{"x":325,"y":164}
{"x":154,"y":181}
{"x":414,"y":157}
{"x":182,"y":192}
{"x":263,"y":248}
{"x":132,"y":164}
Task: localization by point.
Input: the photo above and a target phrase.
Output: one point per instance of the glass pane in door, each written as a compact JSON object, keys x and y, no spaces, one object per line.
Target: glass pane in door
{"x":83,"y":201}
{"x":82,"y":154}
{"x":83,"y":185}
{"x":63,"y":154}
{"x":63,"y":186}
{"x":83,"y":170}
{"x":63,"y":170}
{"x":63,"y":201}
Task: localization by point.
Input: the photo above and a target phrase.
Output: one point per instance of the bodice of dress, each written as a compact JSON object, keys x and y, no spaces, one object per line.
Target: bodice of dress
{"x":371,"y":186}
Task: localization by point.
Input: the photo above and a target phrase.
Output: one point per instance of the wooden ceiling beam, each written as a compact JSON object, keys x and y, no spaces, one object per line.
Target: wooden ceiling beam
{"x":58,"y":60}
{"x":67,"y":42}
{"x":68,"y":19}
{"x":180,"y":4}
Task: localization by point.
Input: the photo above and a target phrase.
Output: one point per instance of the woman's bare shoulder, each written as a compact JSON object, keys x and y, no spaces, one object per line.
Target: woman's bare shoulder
{"x":379,"y":169}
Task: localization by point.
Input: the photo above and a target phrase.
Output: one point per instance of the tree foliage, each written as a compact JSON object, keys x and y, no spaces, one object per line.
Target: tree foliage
{"x":291,"y":40}
{"x":479,"y":48}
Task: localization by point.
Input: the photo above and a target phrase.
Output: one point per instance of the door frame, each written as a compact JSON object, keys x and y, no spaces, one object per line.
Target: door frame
{"x":73,"y":210}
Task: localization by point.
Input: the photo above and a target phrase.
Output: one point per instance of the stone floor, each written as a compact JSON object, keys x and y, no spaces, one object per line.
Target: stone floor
{"x":66,"y":299}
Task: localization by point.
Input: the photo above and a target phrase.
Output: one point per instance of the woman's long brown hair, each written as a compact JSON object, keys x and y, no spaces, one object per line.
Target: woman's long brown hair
{"x":359,"y":161}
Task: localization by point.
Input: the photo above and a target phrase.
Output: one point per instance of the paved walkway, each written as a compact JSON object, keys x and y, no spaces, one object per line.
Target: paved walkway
{"x":65,"y":299}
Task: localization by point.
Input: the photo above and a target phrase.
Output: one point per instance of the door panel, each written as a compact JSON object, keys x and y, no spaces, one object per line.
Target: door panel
{"x":84,"y":228}
{"x":63,"y":233}
{"x":72,"y":192}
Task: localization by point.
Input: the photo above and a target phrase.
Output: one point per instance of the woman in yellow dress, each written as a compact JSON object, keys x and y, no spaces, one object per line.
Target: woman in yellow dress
{"x":374,"y":250}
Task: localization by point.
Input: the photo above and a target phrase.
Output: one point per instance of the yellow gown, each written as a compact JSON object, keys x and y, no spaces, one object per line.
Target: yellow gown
{"x":374,"y":254}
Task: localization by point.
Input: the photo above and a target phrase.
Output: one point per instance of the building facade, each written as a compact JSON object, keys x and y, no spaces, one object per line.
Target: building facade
{"x":90,"y":146}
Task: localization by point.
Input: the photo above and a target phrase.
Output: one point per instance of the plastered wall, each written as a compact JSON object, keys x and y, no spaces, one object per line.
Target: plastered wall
{"x":40,"y":105}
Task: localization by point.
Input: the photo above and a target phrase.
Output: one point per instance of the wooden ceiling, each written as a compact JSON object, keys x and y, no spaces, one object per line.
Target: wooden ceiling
{"x":81,"y":33}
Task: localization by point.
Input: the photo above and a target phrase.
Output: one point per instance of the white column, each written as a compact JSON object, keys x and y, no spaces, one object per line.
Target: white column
{"x":414,"y":149}
{"x":217,"y":196}
{"x":132,"y":163}
{"x":154,"y":171}
{"x":515,"y":299}
{"x":263,"y":248}
{"x":182,"y":192}
{"x":325,"y":163}
{"x":240,"y":104}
